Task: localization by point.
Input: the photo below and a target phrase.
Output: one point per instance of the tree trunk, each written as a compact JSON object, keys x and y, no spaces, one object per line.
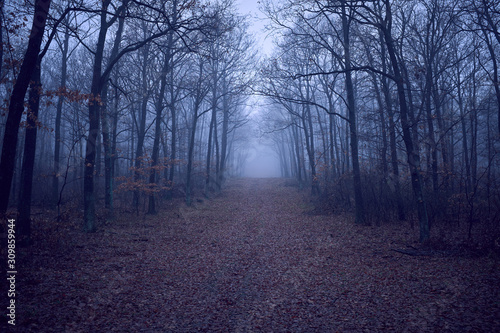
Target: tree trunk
{"x":173,"y":143}
{"x":192,"y":136}
{"x":26,"y":185}
{"x":16,"y":105}
{"x":57,"y":127}
{"x":141,"y":131}
{"x":89,"y":222}
{"x":492,"y":27}
{"x":107,"y":139}
{"x":190,"y":155}
{"x":1,"y":37}
{"x":225,"y":127}
{"x":351,"y":106}
{"x":298,"y":157}
{"x":333,"y":144}
{"x":465,"y":145}
{"x":413,"y":155}
{"x":430,"y":126}
{"x":211,"y":131}
{"x":156,"y":143}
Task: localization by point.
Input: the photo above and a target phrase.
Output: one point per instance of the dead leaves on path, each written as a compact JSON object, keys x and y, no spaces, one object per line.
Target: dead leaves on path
{"x":250,"y":260}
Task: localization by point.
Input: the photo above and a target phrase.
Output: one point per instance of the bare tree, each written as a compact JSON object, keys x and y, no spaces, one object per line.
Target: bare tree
{"x":16,"y":104}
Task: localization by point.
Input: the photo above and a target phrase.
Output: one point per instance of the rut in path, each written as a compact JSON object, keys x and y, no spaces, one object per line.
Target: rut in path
{"x":253,"y":259}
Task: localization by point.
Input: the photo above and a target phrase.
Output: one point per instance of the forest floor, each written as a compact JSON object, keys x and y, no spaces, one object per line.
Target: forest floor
{"x":256,"y":258}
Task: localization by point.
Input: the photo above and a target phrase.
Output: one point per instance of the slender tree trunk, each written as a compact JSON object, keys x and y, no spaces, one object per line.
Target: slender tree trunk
{"x":57,"y":127}
{"x":173,"y":143}
{"x":413,"y":155}
{"x":192,"y":136}
{"x":99,"y":143}
{"x":156,"y":143}
{"x":107,"y":139}
{"x":189,"y":167}
{"x":333,"y":139}
{"x":99,"y":79}
{"x":465,"y":146}
{"x":383,"y":130}
{"x":141,"y":131}
{"x":16,"y":105}
{"x":311,"y":151}
{"x":114,"y":137}
{"x":94,"y":115}
{"x":26,"y":185}
{"x":474,"y":123}
{"x":211,"y":131}
{"x":324,"y":141}
{"x":225,"y":128}
{"x":440,"y":110}
{"x":217,"y":154}
{"x":297,"y":154}
{"x":496,"y":83}
{"x":430,"y":126}
{"x":351,"y":106}
{"x":292,"y":153}
{"x":333,"y":144}
{"x":394,"y":154}
{"x":492,"y":27}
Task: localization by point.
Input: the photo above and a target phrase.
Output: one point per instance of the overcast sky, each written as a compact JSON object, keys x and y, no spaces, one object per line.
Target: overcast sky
{"x":258,"y":21}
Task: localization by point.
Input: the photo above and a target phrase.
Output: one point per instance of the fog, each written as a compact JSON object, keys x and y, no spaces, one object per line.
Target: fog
{"x":257,"y":25}
{"x":262,"y":162}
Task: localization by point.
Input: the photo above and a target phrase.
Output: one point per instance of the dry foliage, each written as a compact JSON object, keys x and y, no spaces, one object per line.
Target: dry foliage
{"x":254,"y":259}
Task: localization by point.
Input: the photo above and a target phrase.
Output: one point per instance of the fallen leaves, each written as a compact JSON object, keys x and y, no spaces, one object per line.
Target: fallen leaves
{"x":250,"y":260}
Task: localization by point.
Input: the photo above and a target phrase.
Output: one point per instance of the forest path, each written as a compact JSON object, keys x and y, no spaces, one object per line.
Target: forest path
{"x":261,"y":271}
{"x":252,"y":259}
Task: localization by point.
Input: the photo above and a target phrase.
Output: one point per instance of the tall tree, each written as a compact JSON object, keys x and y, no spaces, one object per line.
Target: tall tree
{"x":57,"y":128}
{"x":16,"y":104}
{"x":160,"y":26}
{"x":411,"y":150}
{"x":26,"y":188}
{"x":198,"y":93}
{"x":94,"y":117}
{"x":159,"y":106}
{"x":351,"y":107}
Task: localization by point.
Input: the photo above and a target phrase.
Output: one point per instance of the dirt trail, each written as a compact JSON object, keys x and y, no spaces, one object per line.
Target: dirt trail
{"x":258,"y":262}
{"x":253,"y":259}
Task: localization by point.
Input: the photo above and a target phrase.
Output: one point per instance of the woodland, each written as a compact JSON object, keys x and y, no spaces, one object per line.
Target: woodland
{"x":127,"y":125}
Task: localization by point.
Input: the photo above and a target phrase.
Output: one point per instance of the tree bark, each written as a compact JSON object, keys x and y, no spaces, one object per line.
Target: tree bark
{"x":16,"y":105}
{"x":89,"y":222}
{"x":141,"y":130}
{"x":413,"y":154}
{"x":173,"y":143}
{"x":351,"y":110}
{"x":57,"y":127}
{"x":107,"y":139}
{"x":196,"y":106}
{"x":26,"y":184}
{"x":1,"y":37}
{"x":225,"y":128}
{"x":212,"y":125}
{"x":156,"y":142}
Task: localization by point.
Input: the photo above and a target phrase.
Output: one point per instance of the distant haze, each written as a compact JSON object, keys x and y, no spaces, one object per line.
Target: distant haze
{"x":262,"y":163}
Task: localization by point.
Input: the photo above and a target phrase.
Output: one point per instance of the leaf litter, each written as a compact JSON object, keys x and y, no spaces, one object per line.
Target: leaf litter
{"x":251,"y":259}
